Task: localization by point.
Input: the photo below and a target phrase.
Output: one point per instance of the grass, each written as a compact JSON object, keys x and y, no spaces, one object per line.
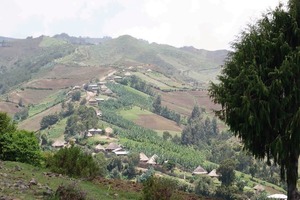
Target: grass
{"x":27,"y":172}
{"x":49,"y":41}
{"x":58,"y":130}
{"x":152,"y":81}
{"x":133,"y":114}
{"x":173,"y":133}
{"x":47,"y":103}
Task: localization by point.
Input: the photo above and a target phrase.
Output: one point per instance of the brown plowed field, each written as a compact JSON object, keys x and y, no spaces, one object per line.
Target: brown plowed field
{"x":157,"y":122}
{"x":184,"y":101}
{"x":30,"y":96}
{"x":8,"y":107}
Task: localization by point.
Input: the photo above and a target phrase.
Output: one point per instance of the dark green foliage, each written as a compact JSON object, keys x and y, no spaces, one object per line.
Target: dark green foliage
{"x":138,"y":84}
{"x":21,"y":115}
{"x":158,"y":188}
{"x":259,"y":90}
{"x":166,"y":135}
{"x":114,"y":162}
{"x":73,"y":162}
{"x":102,"y":164}
{"x":49,"y":120}
{"x":6,"y":124}
{"x":21,"y":146}
{"x":157,"y":105}
{"x":226,"y":169}
{"x":83,"y":119}
{"x":17,"y":145}
{"x":205,"y":186}
{"x":76,"y":96}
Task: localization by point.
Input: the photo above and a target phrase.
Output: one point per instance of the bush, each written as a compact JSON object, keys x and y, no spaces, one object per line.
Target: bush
{"x":158,"y":188}
{"x":69,"y":192}
{"x":73,"y":162}
{"x":205,"y":186}
{"x":49,"y":120}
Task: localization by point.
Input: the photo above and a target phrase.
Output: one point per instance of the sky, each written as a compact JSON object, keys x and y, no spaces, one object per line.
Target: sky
{"x":204,"y":24}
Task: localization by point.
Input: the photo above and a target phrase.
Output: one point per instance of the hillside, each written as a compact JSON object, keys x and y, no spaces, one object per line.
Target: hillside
{"x":136,"y":94}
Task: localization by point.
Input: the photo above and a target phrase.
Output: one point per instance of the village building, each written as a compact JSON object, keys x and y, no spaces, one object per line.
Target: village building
{"x":59,"y":144}
{"x":108,"y":92}
{"x":99,"y":148}
{"x":94,"y":131}
{"x":76,"y":87}
{"x":93,"y":87}
{"x":118,"y":78}
{"x":109,"y":131}
{"x":127,"y":74}
{"x":259,"y":188}
{"x":101,"y":83}
{"x":213,"y":173}
{"x":152,"y":160}
{"x":199,"y":170}
{"x":112,"y":146}
{"x":120,"y":152}
{"x":93,"y":102}
{"x":103,"y":88}
{"x":143,"y":157}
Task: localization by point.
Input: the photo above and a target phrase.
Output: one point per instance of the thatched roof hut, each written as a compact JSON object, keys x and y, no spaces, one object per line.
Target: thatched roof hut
{"x":213,"y":173}
{"x":99,"y":148}
{"x":199,"y":170}
{"x":152,"y":160}
{"x":58,"y":144}
{"x":143,"y":157}
{"x":259,"y":188}
{"x":112,"y":146}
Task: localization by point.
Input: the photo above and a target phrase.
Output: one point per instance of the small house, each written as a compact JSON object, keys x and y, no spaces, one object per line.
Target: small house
{"x":152,"y":160}
{"x":59,"y":144}
{"x":199,"y":170}
{"x":120,"y":152}
{"x":99,"y":148}
{"x":112,"y":146}
{"x":143,"y":157}
{"x":94,"y":131}
{"x":93,"y":102}
{"x":213,"y":173}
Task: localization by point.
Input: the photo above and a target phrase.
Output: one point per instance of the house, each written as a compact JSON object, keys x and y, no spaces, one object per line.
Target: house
{"x":120,"y":152}
{"x":277,"y":196}
{"x":112,"y":146}
{"x":199,"y":170}
{"x":99,"y":99}
{"x":76,"y":87}
{"x":59,"y":144}
{"x":99,"y":113}
{"x":93,"y":102}
{"x":118,"y":78}
{"x":127,"y":74}
{"x":152,"y":160}
{"x":258,"y":188}
{"x":94,"y":131}
{"x":101,"y":83}
{"x":213,"y":173}
{"x":103,"y":88}
{"x":92,"y":87}
{"x":89,"y":134}
{"x":99,"y":148}
{"x":109,"y":131}
{"x":108,"y":92}
{"x":143,"y":157}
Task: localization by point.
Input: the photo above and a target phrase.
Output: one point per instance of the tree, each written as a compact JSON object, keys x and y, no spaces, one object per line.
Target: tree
{"x":48,"y":120}
{"x":166,"y":135}
{"x":205,"y":186}
{"x":259,"y":90}
{"x":76,"y":96}
{"x":226,"y":169}
{"x":157,"y":105}
{"x":21,"y":146}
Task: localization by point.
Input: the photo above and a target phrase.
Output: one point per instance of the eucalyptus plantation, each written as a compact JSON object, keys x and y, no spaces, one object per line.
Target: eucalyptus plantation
{"x":259,"y":90}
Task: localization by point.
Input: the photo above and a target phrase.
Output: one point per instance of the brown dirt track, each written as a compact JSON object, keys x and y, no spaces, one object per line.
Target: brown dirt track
{"x":157,"y":122}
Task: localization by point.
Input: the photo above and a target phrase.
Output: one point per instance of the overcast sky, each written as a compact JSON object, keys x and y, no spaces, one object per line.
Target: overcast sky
{"x":204,"y":24}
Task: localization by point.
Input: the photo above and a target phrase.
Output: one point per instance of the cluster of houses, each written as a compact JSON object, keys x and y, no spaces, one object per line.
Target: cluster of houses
{"x":201,"y":171}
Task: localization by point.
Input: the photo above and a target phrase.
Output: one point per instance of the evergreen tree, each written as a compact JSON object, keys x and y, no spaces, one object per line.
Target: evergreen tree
{"x":157,"y":105}
{"x":259,"y":90}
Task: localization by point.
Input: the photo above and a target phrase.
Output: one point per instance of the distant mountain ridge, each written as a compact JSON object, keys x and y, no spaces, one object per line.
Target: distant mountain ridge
{"x":20,"y":58}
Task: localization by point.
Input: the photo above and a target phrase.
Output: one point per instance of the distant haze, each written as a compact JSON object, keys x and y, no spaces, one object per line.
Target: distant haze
{"x":203,"y":24}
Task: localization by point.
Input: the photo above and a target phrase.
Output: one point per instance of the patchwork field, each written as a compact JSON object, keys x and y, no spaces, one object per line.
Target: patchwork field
{"x":184,"y":101}
{"x":150,"y":120}
{"x":8,"y":107}
{"x":33,"y":123}
{"x":65,"y":76}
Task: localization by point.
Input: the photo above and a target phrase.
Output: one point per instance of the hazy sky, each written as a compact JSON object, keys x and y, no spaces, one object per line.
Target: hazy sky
{"x":204,"y":24}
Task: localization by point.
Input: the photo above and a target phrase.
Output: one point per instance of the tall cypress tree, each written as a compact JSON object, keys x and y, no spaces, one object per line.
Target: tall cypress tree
{"x":259,"y":90}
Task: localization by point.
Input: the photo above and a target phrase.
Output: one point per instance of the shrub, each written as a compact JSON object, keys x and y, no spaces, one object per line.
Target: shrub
{"x":205,"y":186}
{"x":73,"y":162}
{"x":69,"y":192}
{"x":158,"y":188}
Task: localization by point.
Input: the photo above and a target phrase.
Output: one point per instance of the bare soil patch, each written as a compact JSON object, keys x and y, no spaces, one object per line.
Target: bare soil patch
{"x":62,"y":76}
{"x":33,"y":123}
{"x":8,"y":107}
{"x":184,"y":101}
{"x":157,"y":122}
{"x":30,"y":96}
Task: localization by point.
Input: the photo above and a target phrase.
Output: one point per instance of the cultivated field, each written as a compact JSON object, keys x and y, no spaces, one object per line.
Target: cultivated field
{"x":8,"y":107}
